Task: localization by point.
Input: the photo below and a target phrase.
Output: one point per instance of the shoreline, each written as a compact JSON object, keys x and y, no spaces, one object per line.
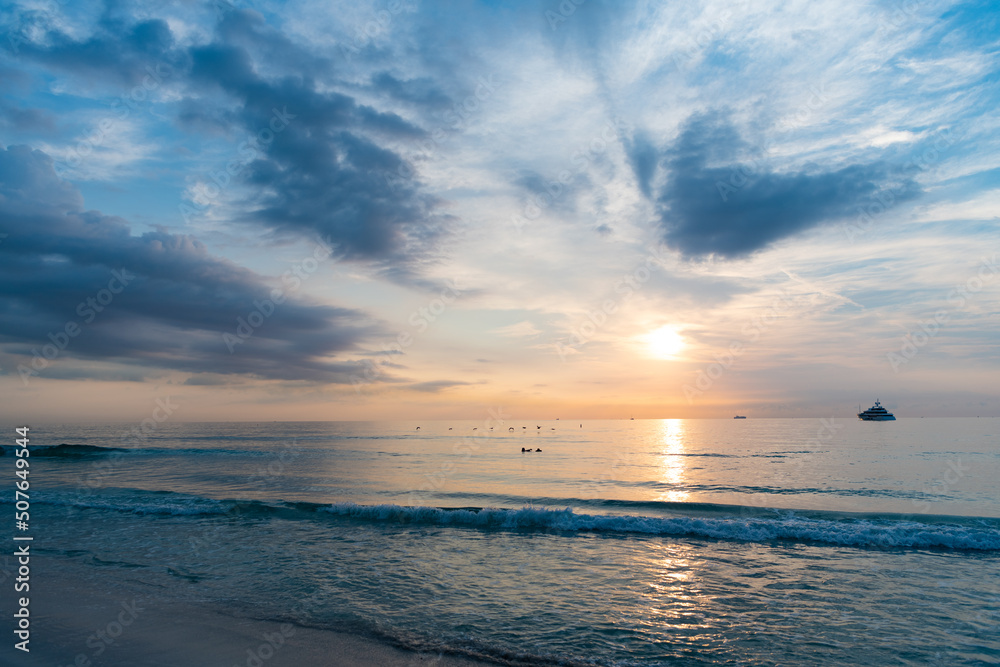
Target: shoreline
{"x":92,"y":615}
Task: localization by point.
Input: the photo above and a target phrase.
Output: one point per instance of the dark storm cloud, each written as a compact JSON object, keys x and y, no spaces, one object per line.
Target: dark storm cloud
{"x":194,"y":116}
{"x":172,"y":311}
{"x":333,"y":169}
{"x":249,"y":30}
{"x":712,"y":203}
{"x":116,"y":53}
{"x":330,"y":172}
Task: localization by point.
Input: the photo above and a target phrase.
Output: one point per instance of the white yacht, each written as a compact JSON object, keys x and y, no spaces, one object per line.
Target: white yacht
{"x":876,"y":413}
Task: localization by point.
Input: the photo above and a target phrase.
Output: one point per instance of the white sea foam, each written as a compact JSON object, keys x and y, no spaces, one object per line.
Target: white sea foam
{"x":848,"y":532}
{"x":727,"y":523}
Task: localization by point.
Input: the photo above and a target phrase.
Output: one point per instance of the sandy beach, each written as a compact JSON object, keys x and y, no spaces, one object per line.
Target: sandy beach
{"x":80,"y":619}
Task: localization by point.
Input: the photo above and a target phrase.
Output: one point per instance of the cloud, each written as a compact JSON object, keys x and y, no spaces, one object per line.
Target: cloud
{"x":26,"y":120}
{"x":420,"y":92}
{"x":334,"y":170}
{"x":174,"y":300}
{"x":435,"y":386}
{"x":209,"y":380}
{"x":712,"y":203}
{"x":117,"y":52}
{"x":643,"y":158}
{"x":330,"y":172}
{"x":523,"y":329}
{"x":881,"y":137}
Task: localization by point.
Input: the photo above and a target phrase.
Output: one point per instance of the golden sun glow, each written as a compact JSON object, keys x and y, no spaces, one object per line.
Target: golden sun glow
{"x":665,"y":342}
{"x":673,"y":464}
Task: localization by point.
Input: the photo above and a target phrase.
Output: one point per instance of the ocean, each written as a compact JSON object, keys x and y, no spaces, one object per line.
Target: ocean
{"x":647,"y":542}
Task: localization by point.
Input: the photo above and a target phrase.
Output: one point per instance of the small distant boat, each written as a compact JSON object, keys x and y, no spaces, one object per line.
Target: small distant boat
{"x":739,"y":417}
{"x":876,"y":413}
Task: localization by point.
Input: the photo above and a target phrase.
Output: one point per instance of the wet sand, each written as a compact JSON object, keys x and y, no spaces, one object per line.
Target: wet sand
{"x":93,"y":615}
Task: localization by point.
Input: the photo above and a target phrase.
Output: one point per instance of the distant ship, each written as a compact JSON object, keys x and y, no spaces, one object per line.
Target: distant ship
{"x":739,"y":417}
{"x":876,"y":413}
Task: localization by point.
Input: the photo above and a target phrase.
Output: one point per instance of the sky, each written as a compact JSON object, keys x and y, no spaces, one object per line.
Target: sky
{"x":445,"y":210}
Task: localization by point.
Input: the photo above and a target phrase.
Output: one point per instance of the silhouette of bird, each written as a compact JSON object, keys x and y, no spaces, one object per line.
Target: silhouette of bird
{"x":538,"y":450}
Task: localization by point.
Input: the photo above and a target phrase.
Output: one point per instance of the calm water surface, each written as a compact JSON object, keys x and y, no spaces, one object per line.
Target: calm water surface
{"x":644,"y":542}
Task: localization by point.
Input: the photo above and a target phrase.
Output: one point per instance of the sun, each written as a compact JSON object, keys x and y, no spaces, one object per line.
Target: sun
{"x":664,"y":342}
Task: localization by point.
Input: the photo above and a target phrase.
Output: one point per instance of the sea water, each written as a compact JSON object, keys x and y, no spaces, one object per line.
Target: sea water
{"x":648,"y":542}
